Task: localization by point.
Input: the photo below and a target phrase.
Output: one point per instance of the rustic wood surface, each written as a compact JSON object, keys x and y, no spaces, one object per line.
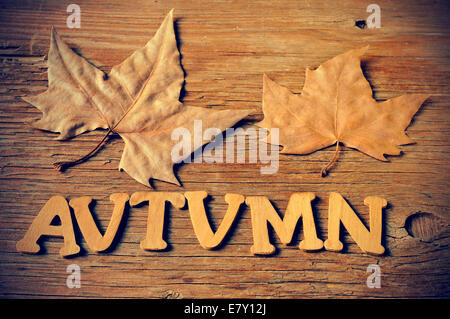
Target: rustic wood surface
{"x":226,"y":47}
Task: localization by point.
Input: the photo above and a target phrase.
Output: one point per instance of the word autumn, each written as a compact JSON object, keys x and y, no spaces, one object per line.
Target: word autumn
{"x":262,"y":213}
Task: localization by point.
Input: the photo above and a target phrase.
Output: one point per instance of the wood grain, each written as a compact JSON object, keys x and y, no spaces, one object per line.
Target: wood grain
{"x":226,"y":46}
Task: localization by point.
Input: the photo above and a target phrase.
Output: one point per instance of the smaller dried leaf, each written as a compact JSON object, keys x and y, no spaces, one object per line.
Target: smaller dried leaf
{"x":336,"y":106}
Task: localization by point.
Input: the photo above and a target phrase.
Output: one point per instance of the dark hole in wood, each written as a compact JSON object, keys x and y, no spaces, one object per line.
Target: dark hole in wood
{"x":360,"y":24}
{"x":424,"y":226}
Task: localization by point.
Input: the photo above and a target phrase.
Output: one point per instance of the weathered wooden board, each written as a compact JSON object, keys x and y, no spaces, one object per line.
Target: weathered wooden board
{"x":226,"y":47}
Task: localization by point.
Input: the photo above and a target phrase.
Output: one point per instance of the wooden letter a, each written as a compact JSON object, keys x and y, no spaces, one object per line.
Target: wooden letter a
{"x":41,"y":225}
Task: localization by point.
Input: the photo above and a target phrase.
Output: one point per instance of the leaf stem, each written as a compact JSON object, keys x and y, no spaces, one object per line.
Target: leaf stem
{"x":324,"y":171}
{"x":61,"y":166}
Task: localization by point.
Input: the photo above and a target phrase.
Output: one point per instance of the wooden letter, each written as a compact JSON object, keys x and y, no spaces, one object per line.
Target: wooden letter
{"x":41,"y":225}
{"x":262,"y":212}
{"x":368,"y":241}
{"x":155,"y":221}
{"x":206,"y":237}
{"x":94,"y":239}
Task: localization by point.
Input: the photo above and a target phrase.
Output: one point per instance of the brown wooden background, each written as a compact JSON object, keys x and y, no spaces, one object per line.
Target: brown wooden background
{"x":226,"y":46}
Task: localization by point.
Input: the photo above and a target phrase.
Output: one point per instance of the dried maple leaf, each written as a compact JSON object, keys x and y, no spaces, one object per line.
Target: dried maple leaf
{"x":336,"y":106}
{"x":139,"y":100}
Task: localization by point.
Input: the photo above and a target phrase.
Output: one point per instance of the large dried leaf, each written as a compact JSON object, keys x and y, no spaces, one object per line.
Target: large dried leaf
{"x":139,"y":100}
{"x":336,"y":106}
